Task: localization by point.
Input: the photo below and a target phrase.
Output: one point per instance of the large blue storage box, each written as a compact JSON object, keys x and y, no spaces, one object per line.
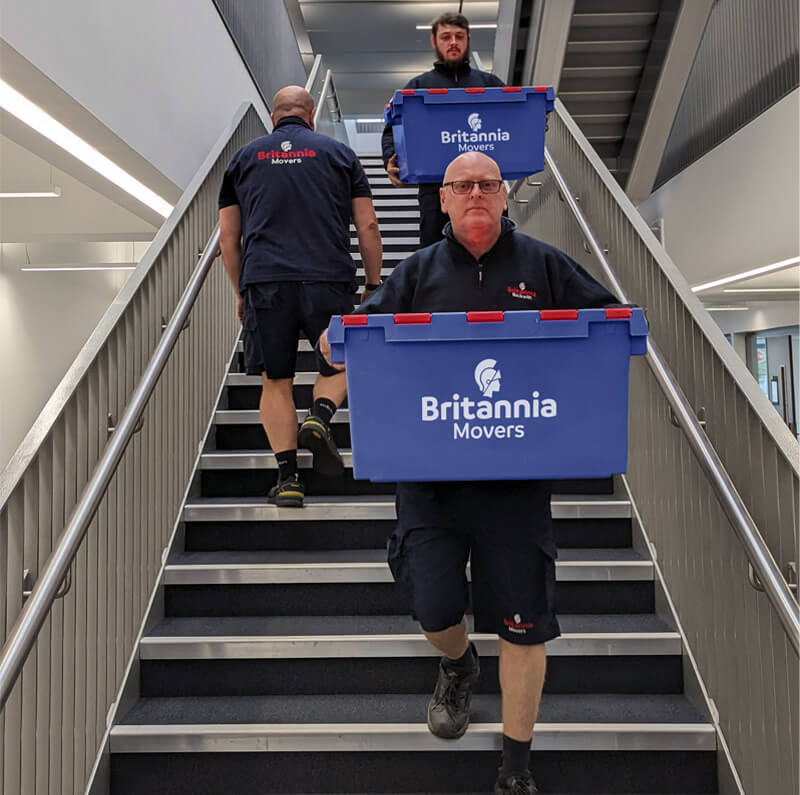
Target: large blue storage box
{"x":431,"y":126}
{"x":489,"y":395}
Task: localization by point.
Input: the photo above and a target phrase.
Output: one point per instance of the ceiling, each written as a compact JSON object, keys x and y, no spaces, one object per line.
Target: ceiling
{"x":373,"y":48}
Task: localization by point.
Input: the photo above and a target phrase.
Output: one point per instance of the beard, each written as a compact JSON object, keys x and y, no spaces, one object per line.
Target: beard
{"x":441,"y":56}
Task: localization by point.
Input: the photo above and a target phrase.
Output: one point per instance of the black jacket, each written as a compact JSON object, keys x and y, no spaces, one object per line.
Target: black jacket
{"x":519,"y":272}
{"x":441,"y":76}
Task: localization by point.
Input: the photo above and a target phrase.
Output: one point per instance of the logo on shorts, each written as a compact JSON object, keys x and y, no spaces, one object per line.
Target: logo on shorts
{"x":474,"y":121}
{"x":517,"y":625}
{"x":487,"y":377}
{"x":286,"y":146}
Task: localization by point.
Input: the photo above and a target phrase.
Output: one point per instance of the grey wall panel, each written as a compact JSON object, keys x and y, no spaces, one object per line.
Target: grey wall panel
{"x":747,"y":61}
{"x":266,"y":40}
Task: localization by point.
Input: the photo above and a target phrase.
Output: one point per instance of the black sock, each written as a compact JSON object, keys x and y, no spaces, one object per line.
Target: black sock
{"x":287,"y":464}
{"x":466,"y":662}
{"x":324,"y":409}
{"x":516,"y":756}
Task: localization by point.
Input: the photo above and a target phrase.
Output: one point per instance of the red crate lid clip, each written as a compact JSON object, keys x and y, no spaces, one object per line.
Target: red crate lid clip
{"x":485,"y":317}
{"x":408,"y":318}
{"x":354,"y":320}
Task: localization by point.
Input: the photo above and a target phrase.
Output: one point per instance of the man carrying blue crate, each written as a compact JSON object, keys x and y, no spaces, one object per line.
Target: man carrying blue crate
{"x":450,"y":41}
{"x":503,"y":528}
{"x":285,"y":207}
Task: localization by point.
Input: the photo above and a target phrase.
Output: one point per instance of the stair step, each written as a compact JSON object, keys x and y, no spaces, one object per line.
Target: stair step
{"x":392,"y":191}
{"x":398,"y":202}
{"x":421,"y":772}
{"x":297,"y":637}
{"x":373,"y":507}
{"x":387,"y":214}
{"x":389,"y":227}
{"x":388,"y":256}
{"x":395,"y":722}
{"x":365,"y":565}
{"x":252,"y":416}
{"x":408,"y":240}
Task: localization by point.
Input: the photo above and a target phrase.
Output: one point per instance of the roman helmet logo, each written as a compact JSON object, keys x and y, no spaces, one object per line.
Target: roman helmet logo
{"x":474,"y":121}
{"x":286,"y":145}
{"x":487,"y":377}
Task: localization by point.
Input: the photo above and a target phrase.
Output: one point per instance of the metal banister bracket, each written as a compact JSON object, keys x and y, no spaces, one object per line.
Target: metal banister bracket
{"x":111,"y":424}
{"x":700,"y":414}
{"x":28,"y":583}
{"x":791,"y":577}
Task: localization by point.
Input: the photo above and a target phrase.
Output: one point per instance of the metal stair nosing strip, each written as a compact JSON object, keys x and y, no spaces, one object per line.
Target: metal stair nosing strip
{"x":248,"y":459}
{"x":377,"y":572}
{"x":283,"y":647}
{"x":349,"y":737}
{"x":374,"y":507}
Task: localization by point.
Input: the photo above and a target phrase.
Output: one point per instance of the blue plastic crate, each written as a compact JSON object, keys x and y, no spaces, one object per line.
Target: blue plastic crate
{"x":431,"y":126}
{"x":489,"y":395}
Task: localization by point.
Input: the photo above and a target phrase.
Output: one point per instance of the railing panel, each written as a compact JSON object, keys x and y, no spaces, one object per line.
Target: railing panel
{"x":55,"y":717}
{"x":744,"y":655}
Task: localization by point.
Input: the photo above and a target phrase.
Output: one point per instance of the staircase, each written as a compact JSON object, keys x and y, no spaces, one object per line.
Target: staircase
{"x":285,"y":661}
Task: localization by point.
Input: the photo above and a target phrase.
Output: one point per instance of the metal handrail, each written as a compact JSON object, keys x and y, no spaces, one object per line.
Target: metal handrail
{"x":29,"y":622}
{"x":312,"y":75}
{"x":757,"y":552}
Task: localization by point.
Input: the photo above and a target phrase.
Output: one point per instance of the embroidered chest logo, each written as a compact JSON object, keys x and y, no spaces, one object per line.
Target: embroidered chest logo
{"x":521,"y":291}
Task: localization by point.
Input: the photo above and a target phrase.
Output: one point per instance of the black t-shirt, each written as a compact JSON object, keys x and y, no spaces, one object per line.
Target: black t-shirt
{"x":295,"y":189}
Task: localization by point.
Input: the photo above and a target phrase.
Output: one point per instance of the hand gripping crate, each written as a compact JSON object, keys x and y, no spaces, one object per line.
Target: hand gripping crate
{"x":489,"y":395}
{"x":431,"y":126}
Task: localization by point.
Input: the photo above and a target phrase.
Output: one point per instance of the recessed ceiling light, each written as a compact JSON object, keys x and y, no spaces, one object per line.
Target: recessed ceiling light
{"x":44,"y":194}
{"x":478,"y":26}
{"x":762,"y":290}
{"x":737,"y":277}
{"x":32,"y":115}
{"x":726,"y":308}
{"x":369,"y":121}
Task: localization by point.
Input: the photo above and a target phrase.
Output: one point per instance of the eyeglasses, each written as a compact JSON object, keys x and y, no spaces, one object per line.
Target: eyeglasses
{"x":466,"y":185}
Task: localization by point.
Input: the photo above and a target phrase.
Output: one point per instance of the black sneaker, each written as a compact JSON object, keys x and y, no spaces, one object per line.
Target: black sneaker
{"x":448,"y":709}
{"x":317,"y":437}
{"x":287,"y":493}
{"x":515,"y":784}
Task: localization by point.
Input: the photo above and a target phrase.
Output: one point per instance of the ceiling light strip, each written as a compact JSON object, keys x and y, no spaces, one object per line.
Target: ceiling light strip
{"x":32,"y":115}
{"x":726,"y":308}
{"x":48,"y":268}
{"x":49,"y":194}
{"x":762,"y":290}
{"x":737,"y":277}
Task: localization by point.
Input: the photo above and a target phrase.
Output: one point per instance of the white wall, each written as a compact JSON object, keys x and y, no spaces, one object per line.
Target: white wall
{"x":164,"y":76}
{"x":738,"y":206}
{"x":45,"y":319}
{"x":759,"y":316}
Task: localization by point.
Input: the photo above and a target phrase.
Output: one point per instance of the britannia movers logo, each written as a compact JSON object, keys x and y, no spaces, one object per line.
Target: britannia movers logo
{"x":488,"y":419}
{"x":286,"y":156}
{"x":475,"y":139}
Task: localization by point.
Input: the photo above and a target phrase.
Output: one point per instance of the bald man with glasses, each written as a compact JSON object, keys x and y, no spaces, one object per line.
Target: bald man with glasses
{"x":502,"y":527}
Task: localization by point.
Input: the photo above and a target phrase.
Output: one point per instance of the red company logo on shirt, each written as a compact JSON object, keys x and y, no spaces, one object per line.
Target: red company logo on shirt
{"x":518,"y":625}
{"x":521,"y":291}
{"x":289,"y":156}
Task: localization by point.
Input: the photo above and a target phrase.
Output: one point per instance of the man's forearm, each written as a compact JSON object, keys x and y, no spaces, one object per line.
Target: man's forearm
{"x":232,"y":260}
{"x":371,"y":248}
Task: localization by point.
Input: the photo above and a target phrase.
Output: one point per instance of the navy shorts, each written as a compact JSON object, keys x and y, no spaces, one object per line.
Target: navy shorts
{"x":276,"y":312}
{"x":442,"y":527}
